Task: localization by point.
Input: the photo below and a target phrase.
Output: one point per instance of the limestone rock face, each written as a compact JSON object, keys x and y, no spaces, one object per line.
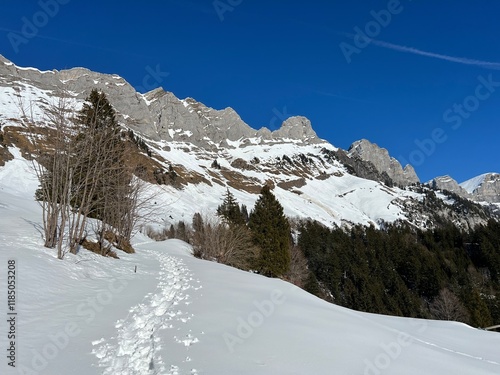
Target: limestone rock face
{"x":448,"y":183}
{"x":189,"y":120}
{"x":131,"y":108}
{"x":381,"y":159}
{"x":297,"y":127}
{"x":484,"y":188}
{"x":158,"y":114}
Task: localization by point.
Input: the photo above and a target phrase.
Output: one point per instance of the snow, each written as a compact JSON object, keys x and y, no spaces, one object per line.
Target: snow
{"x":33,"y":102}
{"x":332,"y":201}
{"x":177,"y":314}
{"x":338,"y":199}
{"x":474,"y":183}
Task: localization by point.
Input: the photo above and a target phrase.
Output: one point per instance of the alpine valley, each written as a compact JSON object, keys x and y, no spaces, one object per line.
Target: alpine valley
{"x":407,"y":272}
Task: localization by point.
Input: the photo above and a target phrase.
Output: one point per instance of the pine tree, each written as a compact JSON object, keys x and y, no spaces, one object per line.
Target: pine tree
{"x":271,"y":232}
{"x":230,"y":211}
{"x":101,"y":181}
{"x":181,"y":231}
{"x":244,"y":213}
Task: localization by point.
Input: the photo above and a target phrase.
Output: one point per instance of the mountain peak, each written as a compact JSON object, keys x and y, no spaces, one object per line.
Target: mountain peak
{"x":296,"y":127}
{"x":448,"y":183}
{"x":383,"y":162}
{"x":485,"y":187}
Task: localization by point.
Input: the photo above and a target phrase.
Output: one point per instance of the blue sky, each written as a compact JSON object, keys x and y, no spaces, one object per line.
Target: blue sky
{"x":422,"y":82}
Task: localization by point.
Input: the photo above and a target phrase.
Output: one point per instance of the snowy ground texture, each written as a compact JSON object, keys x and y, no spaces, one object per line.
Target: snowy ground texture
{"x":179,"y":315}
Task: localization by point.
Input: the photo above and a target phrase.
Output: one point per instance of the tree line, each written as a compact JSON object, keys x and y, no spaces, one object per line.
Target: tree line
{"x":445,"y":273}
{"x":259,"y":241}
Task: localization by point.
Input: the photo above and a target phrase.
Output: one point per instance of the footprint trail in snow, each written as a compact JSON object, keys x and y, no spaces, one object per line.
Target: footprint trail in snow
{"x":136,"y":348}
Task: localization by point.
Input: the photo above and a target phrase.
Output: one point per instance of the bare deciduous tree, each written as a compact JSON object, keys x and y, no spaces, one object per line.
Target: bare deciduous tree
{"x":447,"y":306}
{"x":298,"y":272}
{"x":50,"y":137}
{"x":227,"y":244}
{"x":80,"y":161}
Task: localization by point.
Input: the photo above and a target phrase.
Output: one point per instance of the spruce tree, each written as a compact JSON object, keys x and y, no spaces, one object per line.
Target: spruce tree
{"x":230,"y":211}
{"x":100,"y":177}
{"x":271,"y":232}
{"x":244,"y":213}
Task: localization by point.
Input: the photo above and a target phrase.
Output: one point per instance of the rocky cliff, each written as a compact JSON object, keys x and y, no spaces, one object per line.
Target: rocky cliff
{"x":158,"y":114}
{"x":448,"y":183}
{"x":383,"y":162}
{"x":484,"y":188}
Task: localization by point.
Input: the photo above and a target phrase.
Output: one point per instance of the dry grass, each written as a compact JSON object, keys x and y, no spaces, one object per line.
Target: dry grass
{"x":96,"y":248}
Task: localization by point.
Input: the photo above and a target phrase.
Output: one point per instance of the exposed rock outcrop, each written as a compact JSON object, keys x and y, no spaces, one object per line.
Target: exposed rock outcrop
{"x":448,"y":183}
{"x":296,"y":128}
{"x":484,"y":188}
{"x":383,"y":162}
{"x":158,"y":114}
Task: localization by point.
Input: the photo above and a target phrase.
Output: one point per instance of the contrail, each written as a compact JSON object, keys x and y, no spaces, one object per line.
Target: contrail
{"x":459,"y":60}
{"x":415,"y":51}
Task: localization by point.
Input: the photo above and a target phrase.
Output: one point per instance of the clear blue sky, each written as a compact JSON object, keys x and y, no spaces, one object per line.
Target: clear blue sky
{"x":418,"y":78}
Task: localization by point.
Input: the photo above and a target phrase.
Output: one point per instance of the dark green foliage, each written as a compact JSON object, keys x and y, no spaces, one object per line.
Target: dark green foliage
{"x":171,"y":231}
{"x":312,"y":285}
{"x":215,"y":164}
{"x":230,"y":210}
{"x":105,"y":158}
{"x":271,"y":233}
{"x":181,"y":232}
{"x":97,"y":112}
{"x":479,"y":313}
{"x":401,"y":270}
{"x":244,"y":213}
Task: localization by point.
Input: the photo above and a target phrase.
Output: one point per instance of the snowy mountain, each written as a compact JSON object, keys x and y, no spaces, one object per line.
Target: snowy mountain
{"x":192,"y":153}
{"x":448,"y":183}
{"x":485,"y":187}
{"x":175,"y":314}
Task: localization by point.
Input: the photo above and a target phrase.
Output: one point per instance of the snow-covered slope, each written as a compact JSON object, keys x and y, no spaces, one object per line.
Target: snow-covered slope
{"x":210,"y":150}
{"x":485,"y":187}
{"x":176,"y":314}
{"x":474,"y":183}
{"x":306,"y":183}
{"x":326,"y":193}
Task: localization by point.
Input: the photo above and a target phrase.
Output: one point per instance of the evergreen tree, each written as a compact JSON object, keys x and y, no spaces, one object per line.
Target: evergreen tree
{"x":97,"y":112}
{"x":244,"y":213}
{"x":230,"y":211}
{"x":97,"y":173}
{"x":100,"y":180}
{"x":181,"y":231}
{"x":271,"y":232}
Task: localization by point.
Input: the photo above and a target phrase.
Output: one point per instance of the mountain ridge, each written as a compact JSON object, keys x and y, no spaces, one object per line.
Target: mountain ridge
{"x":200,"y":152}
{"x":195,"y":122}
